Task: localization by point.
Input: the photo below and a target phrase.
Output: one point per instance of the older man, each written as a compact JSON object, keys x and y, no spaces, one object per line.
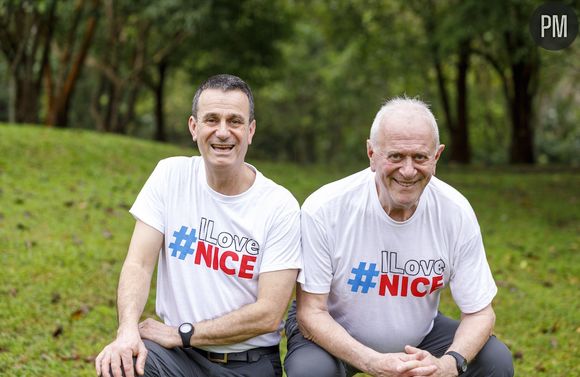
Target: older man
{"x":378,"y":248}
{"x":226,"y":239}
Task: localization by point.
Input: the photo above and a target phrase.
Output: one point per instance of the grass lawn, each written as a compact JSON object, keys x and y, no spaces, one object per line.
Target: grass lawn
{"x":64,"y":231}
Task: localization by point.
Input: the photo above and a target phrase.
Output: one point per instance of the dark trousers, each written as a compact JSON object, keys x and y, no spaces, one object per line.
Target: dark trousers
{"x":179,"y":362}
{"x":306,"y":359}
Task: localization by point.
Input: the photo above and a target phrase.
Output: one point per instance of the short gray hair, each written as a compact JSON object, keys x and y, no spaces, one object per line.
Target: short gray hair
{"x":400,"y":105}
{"x":225,"y":83}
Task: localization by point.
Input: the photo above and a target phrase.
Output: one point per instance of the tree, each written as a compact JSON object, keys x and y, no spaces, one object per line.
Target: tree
{"x":345,"y":59}
{"x":135,"y":52}
{"x":505,"y":44}
{"x":26,"y":32}
{"x":172,"y":35}
{"x":119,"y":62}
{"x":70,"y":51}
{"x":448,"y":41}
{"x":37,"y":44}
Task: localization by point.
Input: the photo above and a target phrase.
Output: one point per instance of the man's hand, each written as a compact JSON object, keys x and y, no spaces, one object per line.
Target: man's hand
{"x":441,"y":367}
{"x":119,"y":355}
{"x":160,"y":333}
{"x":399,"y":365}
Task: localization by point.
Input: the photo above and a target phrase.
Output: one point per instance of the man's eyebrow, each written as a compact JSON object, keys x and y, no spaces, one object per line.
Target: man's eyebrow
{"x":236,"y":116}
{"x":208,"y":115}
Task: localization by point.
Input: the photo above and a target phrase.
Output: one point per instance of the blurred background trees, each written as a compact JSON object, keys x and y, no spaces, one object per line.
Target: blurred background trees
{"x":320,"y":70}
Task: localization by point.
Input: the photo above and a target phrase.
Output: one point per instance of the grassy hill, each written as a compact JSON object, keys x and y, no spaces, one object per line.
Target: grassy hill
{"x":64,"y":230}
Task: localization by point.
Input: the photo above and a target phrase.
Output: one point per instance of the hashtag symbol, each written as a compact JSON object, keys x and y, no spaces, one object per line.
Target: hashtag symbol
{"x":363,"y":278}
{"x":183,"y":242}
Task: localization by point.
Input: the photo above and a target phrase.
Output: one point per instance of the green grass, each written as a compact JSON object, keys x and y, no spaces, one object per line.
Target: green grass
{"x":64,"y":230}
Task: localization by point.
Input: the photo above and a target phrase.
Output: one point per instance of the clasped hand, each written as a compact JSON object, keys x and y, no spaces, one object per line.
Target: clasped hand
{"x":413,"y":362}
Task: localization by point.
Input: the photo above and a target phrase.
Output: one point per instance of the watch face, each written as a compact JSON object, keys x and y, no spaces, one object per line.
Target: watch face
{"x":185,"y":327}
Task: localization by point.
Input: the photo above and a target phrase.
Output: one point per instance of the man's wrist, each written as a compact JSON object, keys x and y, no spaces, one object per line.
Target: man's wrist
{"x":127,"y":327}
{"x":176,"y":337}
{"x":450,"y":364}
{"x":370,"y":363}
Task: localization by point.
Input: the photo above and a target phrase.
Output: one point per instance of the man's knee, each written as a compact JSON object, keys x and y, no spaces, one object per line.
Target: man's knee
{"x":155,"y":358}
{"x":309,"y":362}
{"x":494,"y":359}
{"x":306,"y":359}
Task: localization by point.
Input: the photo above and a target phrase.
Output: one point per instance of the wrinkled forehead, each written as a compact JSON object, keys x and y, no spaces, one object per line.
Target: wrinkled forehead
{"x":401,"y":126}
{"x":224,"y":101}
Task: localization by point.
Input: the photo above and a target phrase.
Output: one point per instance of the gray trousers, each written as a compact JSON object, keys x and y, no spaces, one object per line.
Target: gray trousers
{"x":306,"y":359}
{"x":179,"y":362}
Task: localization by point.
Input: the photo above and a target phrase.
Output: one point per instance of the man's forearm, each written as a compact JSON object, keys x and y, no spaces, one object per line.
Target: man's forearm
{"x":133,"y":290}
{"x":263,"y":316}
{"x":323,"y":330}
{"x":473,"y":332}
{"x":245,"y":323}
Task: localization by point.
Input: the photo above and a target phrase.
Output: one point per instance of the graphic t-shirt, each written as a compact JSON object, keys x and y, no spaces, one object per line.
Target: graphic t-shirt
{"x":216,"y":246}
{"x":384,"y":277}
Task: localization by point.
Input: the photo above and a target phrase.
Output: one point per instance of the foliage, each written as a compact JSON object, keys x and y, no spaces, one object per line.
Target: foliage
{"x":319,"y":106}
{"x":319,"y":69}
{"x":64,"y":228}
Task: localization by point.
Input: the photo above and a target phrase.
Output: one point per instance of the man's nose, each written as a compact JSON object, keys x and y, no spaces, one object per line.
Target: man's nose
{"x":408,"y":168}
{"x":223,"y":130}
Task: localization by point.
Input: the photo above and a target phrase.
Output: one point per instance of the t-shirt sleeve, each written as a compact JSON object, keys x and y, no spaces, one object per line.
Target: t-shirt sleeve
{"x":150,"y":204}
{"x":282,"y":248}
{"x":472,"y":284}
{"x":317,"y":275}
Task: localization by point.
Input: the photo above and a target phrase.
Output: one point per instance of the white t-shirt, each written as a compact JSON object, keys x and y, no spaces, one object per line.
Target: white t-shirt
{"x":216,"y":246}
{"x":383,"y":277}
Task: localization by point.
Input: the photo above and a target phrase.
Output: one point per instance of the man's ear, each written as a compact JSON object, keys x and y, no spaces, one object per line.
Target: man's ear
{"x":437,"y":155}
{"x":370,"y":154}
{"x":439,"y":151}
{"x":192,"y":124}
{"x":252,"y":130}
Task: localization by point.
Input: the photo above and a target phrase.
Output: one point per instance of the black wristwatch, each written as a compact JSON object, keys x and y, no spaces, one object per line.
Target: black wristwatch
{"x":186,"y":330}
{"x":460,"y":361}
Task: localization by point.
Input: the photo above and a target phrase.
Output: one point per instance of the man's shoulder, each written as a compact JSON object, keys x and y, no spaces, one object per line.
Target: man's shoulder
{"x":269,"y":191}
{"x":447,"y":195}
{"x":178,"y":161}
{"x":177,"y":166}
{"x":341,"y":191}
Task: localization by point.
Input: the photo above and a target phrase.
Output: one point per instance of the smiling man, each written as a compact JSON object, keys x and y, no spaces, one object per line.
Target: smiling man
{"x":378,"y":247}
{"x":227,"y":243}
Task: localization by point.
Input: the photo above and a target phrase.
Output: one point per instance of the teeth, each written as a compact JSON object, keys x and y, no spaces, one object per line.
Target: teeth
{"x":223,"y":147}
{"x":406,"y":184}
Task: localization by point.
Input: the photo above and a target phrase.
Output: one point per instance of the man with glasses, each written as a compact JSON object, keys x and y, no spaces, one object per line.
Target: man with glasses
{"x":378,"y":248}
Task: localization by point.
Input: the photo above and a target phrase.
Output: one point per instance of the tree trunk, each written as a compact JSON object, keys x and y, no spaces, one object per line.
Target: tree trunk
{"x":27,"y":92}
{"x":160,"y":134}
{"x":524,"y":67}
{"x":460,"y":148}
{"x":522,"y":140}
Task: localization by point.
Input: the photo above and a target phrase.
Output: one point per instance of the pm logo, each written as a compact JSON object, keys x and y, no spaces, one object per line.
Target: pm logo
{"x":554,"y":26}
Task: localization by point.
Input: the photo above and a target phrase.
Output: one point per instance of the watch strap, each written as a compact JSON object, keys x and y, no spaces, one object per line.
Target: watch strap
{"x":460,"y":362}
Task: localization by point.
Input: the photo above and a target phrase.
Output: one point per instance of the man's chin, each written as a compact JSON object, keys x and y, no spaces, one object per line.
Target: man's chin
{"x":407,"y":203}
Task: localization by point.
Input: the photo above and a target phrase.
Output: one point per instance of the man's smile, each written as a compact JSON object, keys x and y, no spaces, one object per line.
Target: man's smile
{"x":222,"y":147}
{"x":405,"y":183}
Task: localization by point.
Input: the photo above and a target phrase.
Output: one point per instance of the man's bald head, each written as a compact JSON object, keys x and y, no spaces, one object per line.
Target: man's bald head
{"x":401,"y":110}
